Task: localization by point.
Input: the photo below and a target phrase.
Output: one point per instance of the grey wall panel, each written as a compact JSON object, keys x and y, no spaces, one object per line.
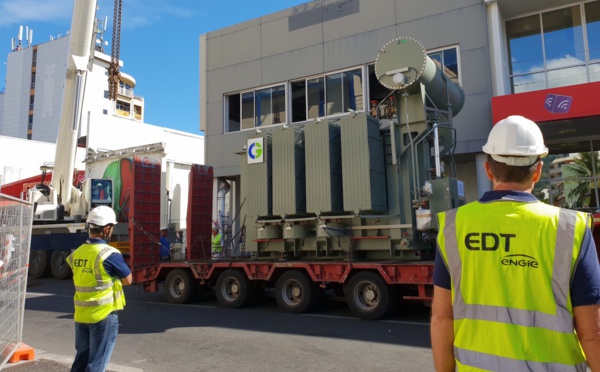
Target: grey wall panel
{"x":214,"y":116}
{"x":363,"y":165}
{"x":233,"y":78}
{"x":475,"y":69}
{"x":234,"y":47}
{"x":369,"y":17}
{"x":235,"y":27}
{"x":475,"y":121}
{"x":415,"y":10}
{"x":475,"y":35}
{"x":273,"y":43}
{"x":289,"y":179}
{"x":323,"y":168}
{"x":294,"y":64}
{"x":351,"y":51}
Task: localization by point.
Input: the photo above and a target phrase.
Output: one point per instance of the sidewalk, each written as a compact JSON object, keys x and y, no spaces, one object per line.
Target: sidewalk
{"x":47,"y":362}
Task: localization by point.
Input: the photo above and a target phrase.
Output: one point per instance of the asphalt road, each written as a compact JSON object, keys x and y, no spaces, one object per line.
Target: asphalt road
{"x":157,"y":336}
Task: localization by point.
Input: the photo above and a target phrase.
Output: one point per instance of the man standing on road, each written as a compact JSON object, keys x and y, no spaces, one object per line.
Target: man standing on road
{"x":517,"y":281}
{"x":99,"y":273}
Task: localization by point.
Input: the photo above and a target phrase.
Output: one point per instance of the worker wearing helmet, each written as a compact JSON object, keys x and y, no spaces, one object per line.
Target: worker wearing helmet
{"x":99,"y":273}
{"x":165,"y":245}
{"x":516,"y":281}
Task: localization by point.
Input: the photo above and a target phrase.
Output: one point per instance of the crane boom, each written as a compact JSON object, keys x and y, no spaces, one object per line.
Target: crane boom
{"x":78,"y":64}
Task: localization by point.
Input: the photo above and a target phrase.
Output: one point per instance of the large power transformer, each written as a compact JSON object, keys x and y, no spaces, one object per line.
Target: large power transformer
{"x":358,"y":188}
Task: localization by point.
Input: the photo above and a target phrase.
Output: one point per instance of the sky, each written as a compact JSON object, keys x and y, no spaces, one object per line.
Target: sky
{"x":159,"y":44}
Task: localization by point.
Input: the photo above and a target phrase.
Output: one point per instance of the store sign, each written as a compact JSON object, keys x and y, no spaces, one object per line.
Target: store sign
{"x":575,"y":101}
{"x":557,"y":104}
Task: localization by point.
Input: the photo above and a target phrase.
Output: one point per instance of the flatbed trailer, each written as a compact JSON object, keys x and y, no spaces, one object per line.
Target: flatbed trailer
{"x":371,"y":289}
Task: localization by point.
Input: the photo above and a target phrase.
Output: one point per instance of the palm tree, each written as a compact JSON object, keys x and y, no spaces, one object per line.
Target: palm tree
{"x":582,"y":192}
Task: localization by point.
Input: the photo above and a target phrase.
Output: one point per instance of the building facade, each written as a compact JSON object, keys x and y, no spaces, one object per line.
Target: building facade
{"x":289,"y":68}
{"x":31,"y":104}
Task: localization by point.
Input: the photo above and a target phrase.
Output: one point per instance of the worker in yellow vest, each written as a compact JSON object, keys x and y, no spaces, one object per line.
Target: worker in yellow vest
{"x":516,"y":281}
{"x":216,"y":247}
{"x":99,"y":274}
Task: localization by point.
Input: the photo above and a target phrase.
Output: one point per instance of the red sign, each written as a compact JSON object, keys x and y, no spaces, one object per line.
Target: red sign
{"x":574,"y":101}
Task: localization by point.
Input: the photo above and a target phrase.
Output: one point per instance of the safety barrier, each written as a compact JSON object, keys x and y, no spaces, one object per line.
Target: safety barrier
{"x":16,"y":218}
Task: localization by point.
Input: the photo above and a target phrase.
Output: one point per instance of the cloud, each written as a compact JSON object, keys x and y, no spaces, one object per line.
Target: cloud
{"x":142,"y":13}
{"x":14,"y":12}
{"x":563,"y":71}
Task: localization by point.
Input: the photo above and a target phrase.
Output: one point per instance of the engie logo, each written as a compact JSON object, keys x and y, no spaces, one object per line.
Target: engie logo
{"x":557,"y":104}
{"x":520,"y":260}
{"x":255,"y":150}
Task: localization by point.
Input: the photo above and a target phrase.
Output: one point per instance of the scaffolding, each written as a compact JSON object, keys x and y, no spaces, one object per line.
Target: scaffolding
{"x":16,"y":218}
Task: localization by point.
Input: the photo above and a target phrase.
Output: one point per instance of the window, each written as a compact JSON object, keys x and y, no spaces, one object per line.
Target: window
{"x":592,"y":24}
{"x":106,"y":94}
{"x":265,"y":106}
{"x":447,"y":61}
{"x":31,"y":102}
{"x":327,"y":95}
{"x":33,"y":80}
{"x":105,"y":112}
{"x":30,"y":122}
{"x":550,"y":49}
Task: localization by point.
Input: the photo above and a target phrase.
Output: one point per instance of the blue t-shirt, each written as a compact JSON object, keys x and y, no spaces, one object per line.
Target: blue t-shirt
{"x":585,"y":285}
{"x":115,"y":263}
{"x":164,"y":247}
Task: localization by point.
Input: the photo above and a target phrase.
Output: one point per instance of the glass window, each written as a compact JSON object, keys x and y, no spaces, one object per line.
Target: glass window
{"x":298,"y":89}
{"x":352,"y":90}
{"x":447,"y":60}
{"x":263,"y":110}
{"x":248,"y":110}
{"x":316,"y":98}
{"x":279,"y":113}
{"x":595,"y":72}
{"x":333,"y":86}
{"x":525,"y":45}
{"x":528,"y":83}
{"x":563,"y":37}
{"x":549,"y":50}
{"x":592,"y":19}
{"x":233,"y":113}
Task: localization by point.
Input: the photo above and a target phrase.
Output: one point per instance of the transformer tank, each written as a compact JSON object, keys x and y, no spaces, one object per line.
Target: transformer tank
{"x":356,"y":187}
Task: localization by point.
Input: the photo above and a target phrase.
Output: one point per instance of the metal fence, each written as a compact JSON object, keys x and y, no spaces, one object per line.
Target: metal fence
{"x":16,"y":218}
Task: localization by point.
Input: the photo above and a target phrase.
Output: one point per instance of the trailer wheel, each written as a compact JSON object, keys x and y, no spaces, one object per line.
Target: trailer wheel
{"x":58,"y":265}
{"x":368,"y":296}
{"x":39,"y":264}
{"x":295,"y":292}
{"x":181,"y":286}
{"x":233,"y":289}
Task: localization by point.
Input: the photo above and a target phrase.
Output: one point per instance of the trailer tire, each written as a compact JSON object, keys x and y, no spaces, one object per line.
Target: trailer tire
{"x":180,"y":286}
{"x":369,"y":297}
{"x":39,"y":263}
{"x":234,"y":290}
{"x":295,"y":292}
{"x":58,"y":265}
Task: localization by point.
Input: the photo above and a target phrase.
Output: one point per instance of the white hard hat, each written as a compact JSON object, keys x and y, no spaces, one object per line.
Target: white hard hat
{"x":516,"y":141}
{"x":102,"y":216}
{"x":98,"y":185}
{"x":164,"y":227}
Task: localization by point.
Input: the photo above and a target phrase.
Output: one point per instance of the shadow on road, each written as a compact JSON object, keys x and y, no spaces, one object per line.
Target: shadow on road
{"x":147,"y":313}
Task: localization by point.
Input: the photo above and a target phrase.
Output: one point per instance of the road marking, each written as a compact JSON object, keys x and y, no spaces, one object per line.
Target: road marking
{"x":40,"y":355}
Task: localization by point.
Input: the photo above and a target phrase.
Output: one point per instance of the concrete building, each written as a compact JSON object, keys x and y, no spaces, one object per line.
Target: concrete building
{"x":31,"y":103}
{"x":509,"y":56}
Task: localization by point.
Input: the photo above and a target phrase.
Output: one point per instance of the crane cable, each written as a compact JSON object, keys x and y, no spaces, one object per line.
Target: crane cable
{"x":114,"y":76}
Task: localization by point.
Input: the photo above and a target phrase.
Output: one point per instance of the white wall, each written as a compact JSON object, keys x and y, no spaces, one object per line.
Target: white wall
{"x":20,"y":158}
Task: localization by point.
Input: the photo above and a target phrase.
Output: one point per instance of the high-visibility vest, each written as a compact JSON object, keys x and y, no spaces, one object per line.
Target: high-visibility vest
{"x":510,"y":265}
{"x":97,"y":294}
{"x":216,"y":243}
